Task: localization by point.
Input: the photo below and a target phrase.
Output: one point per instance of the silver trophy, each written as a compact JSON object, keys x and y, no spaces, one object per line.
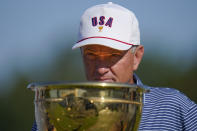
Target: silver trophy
{"x":87,"y":106}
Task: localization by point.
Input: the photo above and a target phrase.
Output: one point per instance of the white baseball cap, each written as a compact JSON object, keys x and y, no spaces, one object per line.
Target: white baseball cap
{"x":109,"y":25}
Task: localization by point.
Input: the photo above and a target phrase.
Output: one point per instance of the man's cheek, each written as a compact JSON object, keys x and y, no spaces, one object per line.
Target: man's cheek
{"x":90,"y":70}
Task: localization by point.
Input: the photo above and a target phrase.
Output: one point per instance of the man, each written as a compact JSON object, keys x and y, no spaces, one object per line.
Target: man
{"x":110,"y":45}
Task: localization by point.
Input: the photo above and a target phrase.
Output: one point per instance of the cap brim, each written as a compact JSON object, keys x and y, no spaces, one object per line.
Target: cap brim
{"x":115,"y":44}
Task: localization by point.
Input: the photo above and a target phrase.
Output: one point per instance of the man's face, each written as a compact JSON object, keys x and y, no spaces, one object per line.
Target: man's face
{"x":108,"y":65}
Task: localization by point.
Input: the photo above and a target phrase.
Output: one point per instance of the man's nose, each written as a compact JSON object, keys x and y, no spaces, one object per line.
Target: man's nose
{"x":102,"y":65}
{"x":102,"y":70}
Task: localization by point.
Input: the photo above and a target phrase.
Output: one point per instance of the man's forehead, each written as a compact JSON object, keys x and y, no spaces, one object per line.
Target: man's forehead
{"x":100,"y":48}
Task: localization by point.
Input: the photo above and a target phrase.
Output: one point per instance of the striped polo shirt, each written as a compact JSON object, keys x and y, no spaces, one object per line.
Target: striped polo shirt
{"x":165,"y":109}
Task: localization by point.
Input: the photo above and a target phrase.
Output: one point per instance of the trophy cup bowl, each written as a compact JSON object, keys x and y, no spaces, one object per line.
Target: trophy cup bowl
{"x":87,"y":106}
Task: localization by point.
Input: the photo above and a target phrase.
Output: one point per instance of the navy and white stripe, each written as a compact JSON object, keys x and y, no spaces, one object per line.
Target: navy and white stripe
{"x":165,"y":109}
{"x":34,"y":127}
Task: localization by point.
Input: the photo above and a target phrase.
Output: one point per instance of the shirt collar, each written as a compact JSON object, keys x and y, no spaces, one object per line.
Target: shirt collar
{"x":138,"y":82}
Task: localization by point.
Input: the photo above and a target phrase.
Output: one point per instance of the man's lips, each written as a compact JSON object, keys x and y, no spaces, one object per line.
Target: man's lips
{"x":102,"y":79}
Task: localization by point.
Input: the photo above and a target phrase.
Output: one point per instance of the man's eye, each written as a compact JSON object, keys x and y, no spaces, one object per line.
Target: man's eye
{"x":90,"y":56}
{"x":116,"y":55}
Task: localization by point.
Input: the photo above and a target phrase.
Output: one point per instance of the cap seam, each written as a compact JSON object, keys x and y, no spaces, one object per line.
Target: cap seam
{"x":105,"y":38}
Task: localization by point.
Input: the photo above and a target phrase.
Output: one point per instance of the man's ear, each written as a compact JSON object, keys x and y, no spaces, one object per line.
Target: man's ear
{"x":138,"y":54}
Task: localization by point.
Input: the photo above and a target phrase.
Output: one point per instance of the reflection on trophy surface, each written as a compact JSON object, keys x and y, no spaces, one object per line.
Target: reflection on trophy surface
{"x":87,"y":106}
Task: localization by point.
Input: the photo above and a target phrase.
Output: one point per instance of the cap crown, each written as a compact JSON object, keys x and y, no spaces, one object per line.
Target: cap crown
{"x":109,"y":21}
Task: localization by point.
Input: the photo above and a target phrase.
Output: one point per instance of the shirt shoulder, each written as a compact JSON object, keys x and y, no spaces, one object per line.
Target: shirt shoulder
{"x":169,"y":96}
{"x":170,"y":107}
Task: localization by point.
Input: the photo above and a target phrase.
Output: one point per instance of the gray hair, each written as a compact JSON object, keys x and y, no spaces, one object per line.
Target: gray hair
{"x":133,"y":48}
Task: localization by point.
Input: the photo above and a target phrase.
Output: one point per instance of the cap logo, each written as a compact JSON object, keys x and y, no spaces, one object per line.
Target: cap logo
{"x":101,"y":22}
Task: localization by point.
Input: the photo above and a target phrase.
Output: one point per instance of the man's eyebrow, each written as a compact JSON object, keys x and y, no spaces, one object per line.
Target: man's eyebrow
{"x":118,"y":52}
{"x":109,"y":51}
{"x":89,"y":49}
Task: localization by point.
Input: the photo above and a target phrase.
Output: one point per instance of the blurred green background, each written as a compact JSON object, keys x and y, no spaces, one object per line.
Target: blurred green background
{"x":36,"y":39}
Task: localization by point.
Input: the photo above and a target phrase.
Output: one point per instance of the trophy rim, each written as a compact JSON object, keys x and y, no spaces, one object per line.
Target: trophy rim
{"x":64,"y":84}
